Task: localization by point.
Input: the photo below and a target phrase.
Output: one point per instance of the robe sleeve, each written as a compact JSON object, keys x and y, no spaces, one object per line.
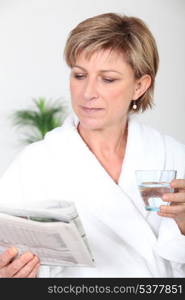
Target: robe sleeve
{"x":10,"y":183}
{"x":11,"y":190}
{"x":171,"y":246}
{"x":171,"y":243}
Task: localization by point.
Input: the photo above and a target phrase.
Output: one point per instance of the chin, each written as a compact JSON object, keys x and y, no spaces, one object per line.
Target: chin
{"x":92,"y":124}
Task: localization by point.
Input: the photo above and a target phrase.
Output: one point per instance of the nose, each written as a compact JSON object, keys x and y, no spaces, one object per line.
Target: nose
{"x":90,"y":90}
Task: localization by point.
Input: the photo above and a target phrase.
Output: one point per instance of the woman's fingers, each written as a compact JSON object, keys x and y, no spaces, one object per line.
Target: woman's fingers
{"x":172,"y":209}
{"x":179,"y":194}
{"x":18,"y":264}
{"x":178,"y":184}
{"x":28,"y":270}
{"x":167,"y":215}
{"x":174,"y":197}
{"x":7,"y":256}
{"x":34,"y":272}
{"x":23,"y":266}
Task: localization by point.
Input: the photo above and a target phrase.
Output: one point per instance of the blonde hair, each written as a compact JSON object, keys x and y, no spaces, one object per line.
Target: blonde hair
{"x":128,"y":35}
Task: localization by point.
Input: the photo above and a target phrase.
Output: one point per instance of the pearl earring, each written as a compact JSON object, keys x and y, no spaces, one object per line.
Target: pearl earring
{"x":134,"y":105}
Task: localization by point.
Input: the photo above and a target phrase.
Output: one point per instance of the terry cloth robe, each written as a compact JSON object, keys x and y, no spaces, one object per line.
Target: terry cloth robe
{"x":125,"y":239}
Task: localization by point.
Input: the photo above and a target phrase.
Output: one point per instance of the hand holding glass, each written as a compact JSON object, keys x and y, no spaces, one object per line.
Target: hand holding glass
{"x":152,"y":185}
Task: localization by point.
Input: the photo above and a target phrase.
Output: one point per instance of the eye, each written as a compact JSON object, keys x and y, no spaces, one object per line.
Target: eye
{"x":108,"y":80}
{"x":79,"y":76}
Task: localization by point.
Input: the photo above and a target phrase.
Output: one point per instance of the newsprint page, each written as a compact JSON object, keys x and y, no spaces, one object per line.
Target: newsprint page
{"x":54,"y":233}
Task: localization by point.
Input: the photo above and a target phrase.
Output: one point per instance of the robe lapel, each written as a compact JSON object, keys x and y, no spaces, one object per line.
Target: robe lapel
{"x":117,"y":206}
{"x":143,"y":152}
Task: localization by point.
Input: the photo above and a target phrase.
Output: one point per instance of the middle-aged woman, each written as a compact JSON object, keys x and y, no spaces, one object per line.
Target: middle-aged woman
{"x":92,"y":159}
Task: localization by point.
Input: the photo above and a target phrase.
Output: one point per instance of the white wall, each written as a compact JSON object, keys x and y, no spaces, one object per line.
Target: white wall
{"x":32,"y":38}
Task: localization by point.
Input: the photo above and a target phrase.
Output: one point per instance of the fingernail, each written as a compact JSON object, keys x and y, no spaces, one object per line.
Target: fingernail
{"x":13,"y":251}
{"x":36,"y":258}
{"x":28,"y":255}
{"x":165,"y":197}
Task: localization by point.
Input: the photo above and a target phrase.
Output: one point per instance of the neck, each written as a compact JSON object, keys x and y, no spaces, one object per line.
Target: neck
{"x":106,"y":142}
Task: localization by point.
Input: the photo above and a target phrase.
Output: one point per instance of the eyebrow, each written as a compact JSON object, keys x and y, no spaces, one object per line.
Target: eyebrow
{"x":102,"y":71}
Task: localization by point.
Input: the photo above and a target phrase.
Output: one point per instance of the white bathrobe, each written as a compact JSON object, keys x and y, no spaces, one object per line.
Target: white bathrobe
{"x":126,"y":240}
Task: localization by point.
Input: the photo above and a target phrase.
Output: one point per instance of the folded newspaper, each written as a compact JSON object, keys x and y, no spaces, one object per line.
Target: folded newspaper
{"x":54,"y":233}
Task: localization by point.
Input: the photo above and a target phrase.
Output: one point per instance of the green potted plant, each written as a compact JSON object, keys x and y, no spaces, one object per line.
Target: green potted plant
{"x":43,"y":117}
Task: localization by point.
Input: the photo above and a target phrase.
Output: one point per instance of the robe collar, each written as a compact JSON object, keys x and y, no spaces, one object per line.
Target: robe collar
{"x":118,"y":206}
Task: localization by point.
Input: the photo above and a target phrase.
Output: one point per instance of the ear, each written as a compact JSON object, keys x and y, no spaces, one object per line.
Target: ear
{"x":142,"y":85}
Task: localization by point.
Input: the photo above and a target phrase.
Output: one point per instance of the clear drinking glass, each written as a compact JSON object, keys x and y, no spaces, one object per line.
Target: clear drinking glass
{"x":152,"y":185}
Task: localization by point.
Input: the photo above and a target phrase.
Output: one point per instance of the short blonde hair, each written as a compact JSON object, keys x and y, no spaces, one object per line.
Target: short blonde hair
{"x":128,"y":35}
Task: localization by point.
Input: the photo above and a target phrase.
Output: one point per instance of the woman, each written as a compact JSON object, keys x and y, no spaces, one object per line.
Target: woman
{"x":94,"y":155}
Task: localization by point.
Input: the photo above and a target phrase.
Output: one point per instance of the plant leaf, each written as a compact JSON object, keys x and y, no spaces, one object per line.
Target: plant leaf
{"x":43,"y":117}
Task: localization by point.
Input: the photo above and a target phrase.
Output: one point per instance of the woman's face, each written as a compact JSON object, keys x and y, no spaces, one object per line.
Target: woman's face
{"x":102,"y":88}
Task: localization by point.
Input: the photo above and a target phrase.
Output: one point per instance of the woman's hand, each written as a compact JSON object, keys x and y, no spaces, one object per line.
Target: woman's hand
{"x":176,"y":209}
{"x":24,"y":266}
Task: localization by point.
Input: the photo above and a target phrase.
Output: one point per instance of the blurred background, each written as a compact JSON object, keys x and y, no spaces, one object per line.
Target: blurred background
{"x":32,"y":39}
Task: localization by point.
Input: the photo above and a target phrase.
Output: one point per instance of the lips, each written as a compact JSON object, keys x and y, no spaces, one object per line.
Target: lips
{"x":91,"y":109}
